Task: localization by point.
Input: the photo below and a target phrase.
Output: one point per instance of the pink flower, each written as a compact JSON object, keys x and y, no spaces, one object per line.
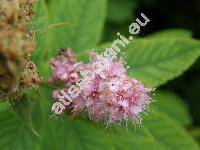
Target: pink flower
{"x":65,"y":68}
{"x":111,"y":95}
{"x":73,"y":77}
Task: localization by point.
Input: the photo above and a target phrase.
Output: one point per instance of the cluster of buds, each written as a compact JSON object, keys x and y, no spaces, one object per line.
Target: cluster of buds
{"x":109,"y":95}
{"x":17,"y":72}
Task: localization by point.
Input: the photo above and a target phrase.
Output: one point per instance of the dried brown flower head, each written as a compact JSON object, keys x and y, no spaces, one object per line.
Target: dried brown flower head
{"x":17,"y":72}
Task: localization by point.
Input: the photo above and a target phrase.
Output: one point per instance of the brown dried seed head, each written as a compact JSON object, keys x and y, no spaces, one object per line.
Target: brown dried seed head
{"x":17,"y":72}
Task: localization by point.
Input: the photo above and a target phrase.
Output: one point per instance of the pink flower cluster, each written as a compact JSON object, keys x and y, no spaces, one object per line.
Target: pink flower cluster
{"x":111,"y":95}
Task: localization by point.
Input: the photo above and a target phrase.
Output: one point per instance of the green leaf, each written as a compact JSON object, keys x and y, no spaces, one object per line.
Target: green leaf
{"x":157,"y":132}
{"x":76,"y":24}
{"x":85,"y":21}
{"x":74,"y":134}
{"x":178,"y":33}
{"x":154,"y":61}
{"x":40,"y":25}
{"x":40,"y":20}
{"x":15,"y":135}
{"x":23,"y":109}
{"x":118,"y":13}
{"x":170,"y":134}
{"x":172,"y":105}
